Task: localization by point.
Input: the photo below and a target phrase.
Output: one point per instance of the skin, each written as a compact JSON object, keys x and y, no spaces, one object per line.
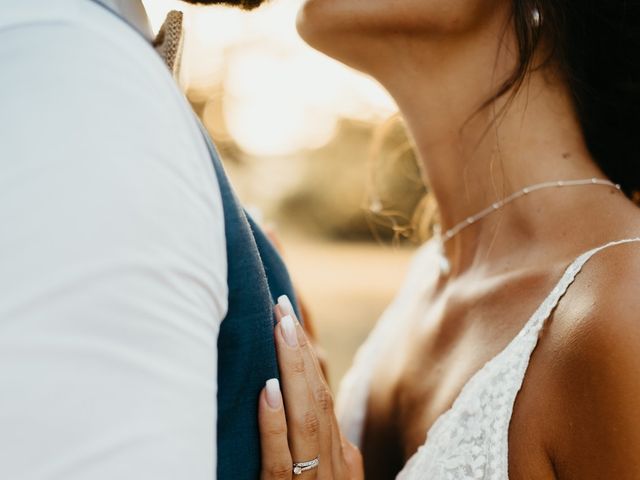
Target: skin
{"x":308,"y":427}
{"x":576,"y":415}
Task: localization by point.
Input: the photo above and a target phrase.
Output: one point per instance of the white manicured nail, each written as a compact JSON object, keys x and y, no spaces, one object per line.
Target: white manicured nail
{"x":285,"y":305}
{"x":289,"y":331}
{"x":274,"y":396}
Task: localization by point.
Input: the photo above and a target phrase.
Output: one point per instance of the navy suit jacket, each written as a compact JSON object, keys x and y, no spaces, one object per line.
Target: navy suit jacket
{"x":246,"y":349}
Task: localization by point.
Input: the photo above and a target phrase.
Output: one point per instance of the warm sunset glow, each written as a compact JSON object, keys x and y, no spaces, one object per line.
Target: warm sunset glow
{"x":280,"y":96}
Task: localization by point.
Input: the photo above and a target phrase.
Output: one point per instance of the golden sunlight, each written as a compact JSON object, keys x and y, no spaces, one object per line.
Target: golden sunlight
{"x":278,"y":95}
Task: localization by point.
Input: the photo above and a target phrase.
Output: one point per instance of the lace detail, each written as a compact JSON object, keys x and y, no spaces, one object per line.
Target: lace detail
{"x":470,"y":440}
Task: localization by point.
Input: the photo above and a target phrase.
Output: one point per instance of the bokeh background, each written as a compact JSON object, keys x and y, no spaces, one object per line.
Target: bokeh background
{"x":317,"y":151}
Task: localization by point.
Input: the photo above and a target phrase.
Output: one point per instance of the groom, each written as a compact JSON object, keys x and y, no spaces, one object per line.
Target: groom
{"x":137,"y":295}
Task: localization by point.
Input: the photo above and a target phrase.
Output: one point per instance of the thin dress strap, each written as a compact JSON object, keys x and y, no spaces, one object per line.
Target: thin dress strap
{"x":551,"y":302}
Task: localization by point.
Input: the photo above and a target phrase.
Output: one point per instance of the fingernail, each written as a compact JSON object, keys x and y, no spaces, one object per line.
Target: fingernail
{"x":274,"y":396}
{"x":289,"y":331}
{"x":285,"y":305}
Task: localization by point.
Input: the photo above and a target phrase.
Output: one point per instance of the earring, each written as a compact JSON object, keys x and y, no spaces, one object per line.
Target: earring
{"x":536,"y":17}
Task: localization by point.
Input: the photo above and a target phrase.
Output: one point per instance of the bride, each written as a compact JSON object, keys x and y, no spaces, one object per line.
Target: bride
{"x":512,"y":349}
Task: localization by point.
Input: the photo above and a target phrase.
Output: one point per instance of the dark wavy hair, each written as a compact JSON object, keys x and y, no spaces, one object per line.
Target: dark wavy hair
{"x":596,"y":46}
{"x":244,"y":4}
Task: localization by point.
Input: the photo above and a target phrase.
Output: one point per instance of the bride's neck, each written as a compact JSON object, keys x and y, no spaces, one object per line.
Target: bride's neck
{"x":472,"y":157}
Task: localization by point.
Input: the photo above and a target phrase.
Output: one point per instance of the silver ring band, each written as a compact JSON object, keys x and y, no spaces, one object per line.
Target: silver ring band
{"x":300,"y":468}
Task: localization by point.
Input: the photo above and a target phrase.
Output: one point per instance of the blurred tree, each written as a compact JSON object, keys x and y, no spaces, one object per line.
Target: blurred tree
{"x":364,"y":184}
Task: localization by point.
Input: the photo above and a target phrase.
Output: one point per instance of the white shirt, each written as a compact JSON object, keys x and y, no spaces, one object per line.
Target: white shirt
{"x":112,"y":255}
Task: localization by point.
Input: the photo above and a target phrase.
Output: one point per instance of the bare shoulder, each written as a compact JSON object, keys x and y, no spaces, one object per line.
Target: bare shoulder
{"x":596,"y":373}
{"x":603,"y":304}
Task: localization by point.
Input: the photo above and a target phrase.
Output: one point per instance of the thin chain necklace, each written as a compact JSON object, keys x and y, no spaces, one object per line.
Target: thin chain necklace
{"x":445,"y":265}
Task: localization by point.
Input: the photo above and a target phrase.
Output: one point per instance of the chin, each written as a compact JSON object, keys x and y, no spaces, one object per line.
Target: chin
{"x":342,"y":29}
{"x":359,"y":32}
{"x":316,"y":21}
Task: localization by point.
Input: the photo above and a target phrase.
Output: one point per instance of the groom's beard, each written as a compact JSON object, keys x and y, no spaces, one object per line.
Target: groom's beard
{"x":246,"y":4}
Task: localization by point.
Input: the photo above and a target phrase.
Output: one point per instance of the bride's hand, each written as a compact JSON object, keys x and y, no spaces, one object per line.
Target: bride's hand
{"x":301,"y":426}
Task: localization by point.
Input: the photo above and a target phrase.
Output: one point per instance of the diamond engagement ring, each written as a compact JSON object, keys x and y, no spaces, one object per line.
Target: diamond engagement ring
{"x":300,"y":468}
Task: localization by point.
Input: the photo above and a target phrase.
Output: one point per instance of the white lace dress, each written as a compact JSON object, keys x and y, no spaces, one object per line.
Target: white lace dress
{"x":470,"y":440}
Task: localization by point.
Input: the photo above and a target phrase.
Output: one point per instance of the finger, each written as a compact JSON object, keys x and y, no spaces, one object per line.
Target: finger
{"x":302,"y":418}
{"x":278,"y":313}
{"x":353,"y":460}
{"x":309,"y":324}
{"x":276,"y":458}
{"x":284,"y":307}
{"x":321,"y":355}
{"x":323,"y":400}
{"x":328,"y":432}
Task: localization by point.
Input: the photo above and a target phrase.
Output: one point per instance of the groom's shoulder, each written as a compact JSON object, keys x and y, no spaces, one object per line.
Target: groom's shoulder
{"x":71,"y":63}
{"x":80,"y":88}
{"x":80,"y":42}
{"x":79,"y":34}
